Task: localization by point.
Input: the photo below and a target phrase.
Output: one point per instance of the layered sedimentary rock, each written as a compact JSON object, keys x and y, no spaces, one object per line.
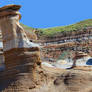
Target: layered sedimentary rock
{"x":22,"y":57}
{"x":23,"y":71}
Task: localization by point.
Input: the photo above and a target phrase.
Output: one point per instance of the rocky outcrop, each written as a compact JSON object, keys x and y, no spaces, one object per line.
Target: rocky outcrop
{"x":56,"y":50}
{"x":22,"y":57}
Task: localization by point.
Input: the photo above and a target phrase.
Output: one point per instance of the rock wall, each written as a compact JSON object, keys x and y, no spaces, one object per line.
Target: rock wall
{"x":55,"y":50}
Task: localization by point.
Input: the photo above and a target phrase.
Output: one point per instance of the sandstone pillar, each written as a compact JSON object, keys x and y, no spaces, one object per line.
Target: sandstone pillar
{"x":21,"y":55}
{"x":15,"y":40}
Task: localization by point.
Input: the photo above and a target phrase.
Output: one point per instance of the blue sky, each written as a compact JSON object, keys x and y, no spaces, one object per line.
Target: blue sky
{"x":51,"y":13}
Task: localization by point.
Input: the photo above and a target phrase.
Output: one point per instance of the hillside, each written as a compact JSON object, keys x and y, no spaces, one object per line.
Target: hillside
{"x":55,"y":31}
{"x":29,"y":31}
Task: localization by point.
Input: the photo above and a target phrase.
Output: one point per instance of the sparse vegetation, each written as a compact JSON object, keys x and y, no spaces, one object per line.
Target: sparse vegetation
{"x":55,"y":31}
{"x":50,"y":32}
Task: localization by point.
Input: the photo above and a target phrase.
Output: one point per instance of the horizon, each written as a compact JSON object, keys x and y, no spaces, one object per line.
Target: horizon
{"x":59,"y":26}
{"x":52,"y":13}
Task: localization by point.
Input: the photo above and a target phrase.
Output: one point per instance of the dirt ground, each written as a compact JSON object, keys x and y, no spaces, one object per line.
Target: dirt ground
{"x":78,"y":79}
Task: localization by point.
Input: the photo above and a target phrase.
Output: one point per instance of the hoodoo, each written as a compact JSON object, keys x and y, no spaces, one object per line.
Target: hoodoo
{"x":22,"y":57}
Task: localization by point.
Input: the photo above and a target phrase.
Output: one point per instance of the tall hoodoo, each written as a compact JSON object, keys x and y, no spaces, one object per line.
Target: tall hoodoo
{"x":21,"y":56}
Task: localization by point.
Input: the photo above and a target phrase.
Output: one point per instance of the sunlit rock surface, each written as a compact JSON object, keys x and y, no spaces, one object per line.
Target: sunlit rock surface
{"x":22,"y":57}
{"x":23,"y":70}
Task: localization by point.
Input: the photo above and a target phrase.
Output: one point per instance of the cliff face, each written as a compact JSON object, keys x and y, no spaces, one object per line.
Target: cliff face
{"x":54,"y":45}
{"x":65,"y":35}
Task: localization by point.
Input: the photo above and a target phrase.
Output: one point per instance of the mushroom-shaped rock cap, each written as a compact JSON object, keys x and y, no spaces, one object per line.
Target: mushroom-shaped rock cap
{"x":10,"y":10}
{"x":10,"y":7}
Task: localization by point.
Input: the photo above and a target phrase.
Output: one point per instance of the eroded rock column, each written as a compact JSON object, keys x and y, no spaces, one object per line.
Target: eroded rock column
{"x":21,"y":56}
{"x":15,"y":40}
